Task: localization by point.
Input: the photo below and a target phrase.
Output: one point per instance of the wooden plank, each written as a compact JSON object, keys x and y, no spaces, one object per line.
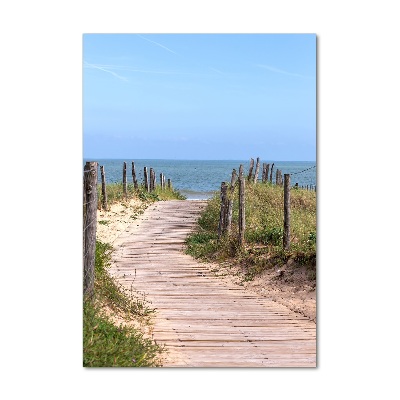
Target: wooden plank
{"x":202,"y":320}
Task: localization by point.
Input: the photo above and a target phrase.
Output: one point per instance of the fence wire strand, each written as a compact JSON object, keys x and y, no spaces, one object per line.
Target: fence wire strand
{"x":295,"y":173}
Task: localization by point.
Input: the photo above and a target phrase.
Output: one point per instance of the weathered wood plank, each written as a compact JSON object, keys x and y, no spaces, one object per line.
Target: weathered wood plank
{"x":202,"y":320}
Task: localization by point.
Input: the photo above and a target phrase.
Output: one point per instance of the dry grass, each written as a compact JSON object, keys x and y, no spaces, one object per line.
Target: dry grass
{"x":264,"y":230}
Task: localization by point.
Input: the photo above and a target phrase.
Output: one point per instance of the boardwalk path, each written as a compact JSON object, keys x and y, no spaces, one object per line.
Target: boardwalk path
{"x":203,"y":320}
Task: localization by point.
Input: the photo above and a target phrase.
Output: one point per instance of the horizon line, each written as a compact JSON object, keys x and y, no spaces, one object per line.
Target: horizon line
{"x":193,"y":159}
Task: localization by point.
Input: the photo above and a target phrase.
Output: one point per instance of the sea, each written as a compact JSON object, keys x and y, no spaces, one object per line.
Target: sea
{"x":200,"y":179}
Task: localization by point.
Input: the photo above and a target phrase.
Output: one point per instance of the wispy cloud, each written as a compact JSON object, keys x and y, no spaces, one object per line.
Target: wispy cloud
{"x":216,"y":70}
{"x":110,"y":68}
{"x":158,"y":44}
{"x":102,"y":68}
{"x":281,"y":71}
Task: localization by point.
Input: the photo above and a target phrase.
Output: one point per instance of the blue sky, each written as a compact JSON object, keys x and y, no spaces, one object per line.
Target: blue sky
{"x":199,"y":96}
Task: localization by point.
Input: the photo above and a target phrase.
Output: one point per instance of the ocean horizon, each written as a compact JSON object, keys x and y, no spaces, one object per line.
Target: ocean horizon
{"x":200,"y":179}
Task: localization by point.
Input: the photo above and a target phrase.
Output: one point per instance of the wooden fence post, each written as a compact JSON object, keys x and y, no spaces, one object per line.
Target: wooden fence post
{"x":222,"y":214}
{"x":124,"y":181}
{"x":272,"y":168}
{"x":242,"y":220}
{"x":277,"y":177}
{"x":89,"y":226}
{"x":257,"y":170}
{"x":151,"y":183}
{"x":169,"y":184}
{"x":146,"y":179}
{"x":286,"y":212}
{"x":103,"y":188}
{"x":279,"y":180}
{"x":263,"y":173}
{"x":135,"y":183}
{"x":230,"y":202}
{"x":250,"y":169}
{"x":266,"y":173}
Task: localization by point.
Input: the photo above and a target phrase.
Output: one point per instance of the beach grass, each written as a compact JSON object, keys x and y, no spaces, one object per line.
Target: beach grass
{"x":105,"y":342}
{"x":115,"y":193}
{"x":264,"y":230}
{"x":114,"y":318}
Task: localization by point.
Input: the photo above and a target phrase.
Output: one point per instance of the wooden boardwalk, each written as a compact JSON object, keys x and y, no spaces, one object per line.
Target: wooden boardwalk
{"x":203,"y":320}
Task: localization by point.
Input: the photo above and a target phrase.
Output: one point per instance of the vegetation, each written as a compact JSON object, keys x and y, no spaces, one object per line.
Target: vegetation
{"x":264,"y":230}
{"x":115,"y":193}
{"x":106,"y":344}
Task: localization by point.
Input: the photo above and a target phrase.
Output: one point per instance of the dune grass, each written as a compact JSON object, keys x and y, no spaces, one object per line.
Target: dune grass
{"x":115,"y":193}
{"x":264,"y":230}
{"x":105,"y":343}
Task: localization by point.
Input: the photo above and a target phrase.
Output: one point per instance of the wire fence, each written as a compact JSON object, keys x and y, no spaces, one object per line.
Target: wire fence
{"x":267,"y":175}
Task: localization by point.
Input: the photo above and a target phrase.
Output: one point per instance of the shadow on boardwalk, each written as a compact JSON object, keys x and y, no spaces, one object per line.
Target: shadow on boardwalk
{"x":202,"y":320}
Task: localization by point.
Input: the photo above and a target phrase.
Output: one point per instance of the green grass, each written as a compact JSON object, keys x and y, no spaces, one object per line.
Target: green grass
{"x":115,"y":194}
{"x":106,"y":344}
{"x":264,"y":230}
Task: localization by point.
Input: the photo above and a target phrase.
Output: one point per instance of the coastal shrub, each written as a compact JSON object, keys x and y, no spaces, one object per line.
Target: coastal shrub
{"x":265,"y":235}
{"x":202,"y":244}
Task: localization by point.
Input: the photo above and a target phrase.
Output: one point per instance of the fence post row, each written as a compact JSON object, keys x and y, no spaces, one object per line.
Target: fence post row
{"x":250,"y":169}
{"x":272,"y":168}
{"x":242,"y":222}
{"x":264,"y":178}
{"x":135,"y":183}
{"x":124,"y":182}
{"x":222,"y":214}
{"x":229,"y":211}
{"x":263,"y":173}
{"x":279,"y":180}
{"x":286,"y":212}
{"x":257,"y":170}
{"x":89,"y":226}
{"x":103,"y":188}
{"x":152,"y":175}
{"x":146,"y":179}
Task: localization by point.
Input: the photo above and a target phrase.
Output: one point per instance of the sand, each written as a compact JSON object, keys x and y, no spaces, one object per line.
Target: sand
{"x":114,"y":221}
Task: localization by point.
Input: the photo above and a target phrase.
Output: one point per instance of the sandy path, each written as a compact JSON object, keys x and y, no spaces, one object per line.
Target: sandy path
{"x":204,"y":320}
